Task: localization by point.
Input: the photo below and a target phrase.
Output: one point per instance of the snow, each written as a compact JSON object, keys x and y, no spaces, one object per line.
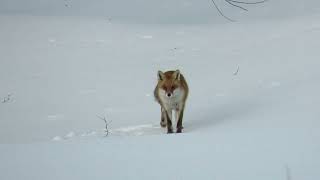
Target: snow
{"x":252,"y":113}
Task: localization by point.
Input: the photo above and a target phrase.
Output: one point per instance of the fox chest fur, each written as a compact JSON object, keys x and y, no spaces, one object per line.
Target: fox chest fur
{"x":175,"y":102}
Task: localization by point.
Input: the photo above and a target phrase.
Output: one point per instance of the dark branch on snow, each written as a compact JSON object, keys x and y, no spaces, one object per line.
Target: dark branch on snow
{"x":242,"y":2}
{"x":107,"y":124}
{"x":235,"y":3}
{"x":236,"y":73}
{"x":220,"y":12}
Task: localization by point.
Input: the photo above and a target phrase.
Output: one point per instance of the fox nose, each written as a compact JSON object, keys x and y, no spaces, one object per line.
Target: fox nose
{"x":169,"y":94}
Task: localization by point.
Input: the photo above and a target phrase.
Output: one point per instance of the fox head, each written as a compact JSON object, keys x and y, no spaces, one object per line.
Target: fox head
{"x":169,"y":82}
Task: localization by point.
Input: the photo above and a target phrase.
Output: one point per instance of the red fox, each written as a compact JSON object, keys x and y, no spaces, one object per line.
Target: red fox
{"x":171,"y":93}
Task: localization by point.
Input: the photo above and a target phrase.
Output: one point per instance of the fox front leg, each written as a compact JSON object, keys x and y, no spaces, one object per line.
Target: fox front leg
{"x":179,"y":117}
{"x":169,"y":121}
{"x":163,"y":121}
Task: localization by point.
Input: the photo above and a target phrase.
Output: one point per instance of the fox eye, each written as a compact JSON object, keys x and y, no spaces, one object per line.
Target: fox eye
{"x":165,"y":88}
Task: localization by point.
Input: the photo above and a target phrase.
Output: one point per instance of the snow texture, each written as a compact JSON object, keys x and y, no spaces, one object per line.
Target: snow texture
{"x":252,"y":113}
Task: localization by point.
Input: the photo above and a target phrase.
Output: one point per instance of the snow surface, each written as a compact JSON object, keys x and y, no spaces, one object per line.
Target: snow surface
{"x":252,"y":113}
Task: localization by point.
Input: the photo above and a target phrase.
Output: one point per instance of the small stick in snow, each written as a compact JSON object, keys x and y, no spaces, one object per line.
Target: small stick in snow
{"x":288,"y":173}
{"x":242,"y":2}
{"x":105,"y":120}
{"x":236,"y":4}
{"x":240,"y":7}
{"x":6,"y":99}
{"x":220,"y":12}
{"x":236,"y":73}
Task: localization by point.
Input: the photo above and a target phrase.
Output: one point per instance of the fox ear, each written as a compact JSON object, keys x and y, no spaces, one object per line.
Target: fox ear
{"x":177,"y":74}
{"x":160,"y":75}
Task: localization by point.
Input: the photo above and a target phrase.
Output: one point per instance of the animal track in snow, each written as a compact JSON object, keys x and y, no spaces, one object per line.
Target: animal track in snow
{"x":137,"y":130}
{"x":56,"y":138}
{"x":69,"y":135}
{"x":272,"y":84}
{"x":54,"y":117}
{"x":146,"y":37}
{"x":89,"y":133}
{"x":180,"y":33}
{"x":87,"y":91}
{"x":52,"y":40}
{"x":275,"y":84}
{"x":220,"y":95}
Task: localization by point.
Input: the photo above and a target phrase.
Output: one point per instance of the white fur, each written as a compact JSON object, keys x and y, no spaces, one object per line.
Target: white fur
{"x":172,"y":103}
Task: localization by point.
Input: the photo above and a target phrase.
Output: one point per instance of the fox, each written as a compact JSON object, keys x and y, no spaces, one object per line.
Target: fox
{"x":171,"y":92}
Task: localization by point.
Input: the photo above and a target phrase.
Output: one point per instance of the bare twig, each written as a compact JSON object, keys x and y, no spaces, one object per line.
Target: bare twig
{"x":66,"y":3}
{"x":106,"y":122}
{"x":242,"y":2}
{"x":235,"y":3}
{"x":220,"y":12}
{"x":236,"y":73}
{"x":240,"y":7}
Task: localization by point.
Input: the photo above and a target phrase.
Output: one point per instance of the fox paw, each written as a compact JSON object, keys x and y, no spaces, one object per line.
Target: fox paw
{"x":163,"y":124}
